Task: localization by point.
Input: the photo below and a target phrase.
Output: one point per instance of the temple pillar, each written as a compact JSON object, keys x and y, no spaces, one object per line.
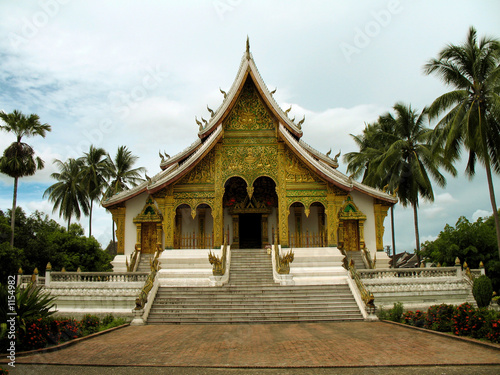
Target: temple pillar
{"x":265,"y":235}
{"x":282,"y":216}
{"x":118,"y":214}
{"x":169,"y":218}
{"x":380,"y":211}
{"x":218,"y":209}
{"x":236,"y":232}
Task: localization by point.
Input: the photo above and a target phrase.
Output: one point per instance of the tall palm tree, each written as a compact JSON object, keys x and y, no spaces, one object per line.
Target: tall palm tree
{"x":19,"y":158}
{"x":68,"y":194}
{"x":472,"y":118}
{"x":399,"y":155}
{"x":94,"y":176}
{"x":372,"y":143}
{"x":122,"y":174}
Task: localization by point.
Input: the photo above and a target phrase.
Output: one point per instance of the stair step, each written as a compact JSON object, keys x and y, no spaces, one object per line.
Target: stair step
{"x":252,"y":296}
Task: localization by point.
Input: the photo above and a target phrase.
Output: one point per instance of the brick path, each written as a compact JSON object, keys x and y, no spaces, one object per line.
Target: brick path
{"x":269,"y":345}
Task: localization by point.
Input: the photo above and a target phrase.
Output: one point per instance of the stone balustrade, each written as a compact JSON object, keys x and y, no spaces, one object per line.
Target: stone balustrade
{"x":95,"y":277}
{"x":409,"y":273}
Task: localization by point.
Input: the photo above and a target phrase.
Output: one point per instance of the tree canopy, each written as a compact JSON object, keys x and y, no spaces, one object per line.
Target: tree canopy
{"x":40,"y":240}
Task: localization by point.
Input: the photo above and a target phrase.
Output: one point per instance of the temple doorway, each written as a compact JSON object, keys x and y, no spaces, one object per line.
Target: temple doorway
{"x":148,"y":238}
{"x":250,"y":226}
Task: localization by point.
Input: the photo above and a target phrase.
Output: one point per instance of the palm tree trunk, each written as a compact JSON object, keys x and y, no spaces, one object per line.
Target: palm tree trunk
{"x":69,"y":222}
{"x":13,"y":214}
{"x":90,"y":218}
{"x":393,"y":238}
{"x":417,"y":236}
{"x":493,"y":202}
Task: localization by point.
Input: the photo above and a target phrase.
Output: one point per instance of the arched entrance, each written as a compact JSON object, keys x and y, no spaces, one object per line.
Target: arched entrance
{"x":249,"y":209}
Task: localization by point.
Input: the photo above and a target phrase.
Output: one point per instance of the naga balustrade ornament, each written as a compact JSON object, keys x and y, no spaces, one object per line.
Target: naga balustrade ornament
{"x":141,"y":301}
{"x":366,"y":295}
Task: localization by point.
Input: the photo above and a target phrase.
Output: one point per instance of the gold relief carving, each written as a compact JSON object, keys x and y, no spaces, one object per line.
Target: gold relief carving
{"x":306,"y":201}
{"x":380,"y":211}
{"x":282,"y":201}
{"x":249,"y":112}
{"x":118,"y":214}
{"x":169,"y":218}
{"x":203,"y":173}
{"x":296,"y":171}
{"x":249,"y":162}
{"x":217,"y":209}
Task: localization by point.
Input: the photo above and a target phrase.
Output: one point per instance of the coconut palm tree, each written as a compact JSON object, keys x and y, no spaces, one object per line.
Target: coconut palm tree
{"x":399,"y":155}
{"x":94,"y":176}
{"x":19,"y":158}
{"x":69,"y":194}
{"x":372,"y":143}
{"x":122,"y":174}
{"x":472,"y":108}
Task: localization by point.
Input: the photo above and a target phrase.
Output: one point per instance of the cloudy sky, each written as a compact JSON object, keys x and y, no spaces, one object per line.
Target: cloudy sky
{"x":136,"y":73}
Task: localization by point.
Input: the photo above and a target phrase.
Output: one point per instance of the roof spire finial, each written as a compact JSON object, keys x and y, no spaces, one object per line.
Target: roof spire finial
{"x":248,"y":47}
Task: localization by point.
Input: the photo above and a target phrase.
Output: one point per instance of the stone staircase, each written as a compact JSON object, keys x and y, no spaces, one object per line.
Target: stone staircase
{"x":251,"y":296}
{"x":357,"y":257}
{"x":144,"y":263}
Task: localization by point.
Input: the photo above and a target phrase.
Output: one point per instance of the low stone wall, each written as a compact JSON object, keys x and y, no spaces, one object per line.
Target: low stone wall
{"x":97,"y":293}
{"x":418,"y":288}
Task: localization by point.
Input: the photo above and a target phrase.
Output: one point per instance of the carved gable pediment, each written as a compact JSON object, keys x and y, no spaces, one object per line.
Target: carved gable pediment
{"x":150,"y":213}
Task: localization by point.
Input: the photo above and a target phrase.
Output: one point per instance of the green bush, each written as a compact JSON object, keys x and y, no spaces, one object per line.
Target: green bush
{"x":482,"y":290}
{"x":107,"y":320}
{"x":90,"y":323}
{"x":439,"y":317}
{"x":382,"y":314}
{"x":396,"y":312}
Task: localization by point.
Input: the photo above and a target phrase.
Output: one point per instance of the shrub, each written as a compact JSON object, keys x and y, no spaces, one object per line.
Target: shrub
{"x":416,"y":318}
{"x":4,"y":372}
{"x":90,"y":323}
{"x":396,"y":312}
{"x":439,"y":317}
{"x":482,"y":290}
{"x":462,"y":319}
{"x":494,"y":333}
{"x":382,"y":314}
{"x":108,"y":319}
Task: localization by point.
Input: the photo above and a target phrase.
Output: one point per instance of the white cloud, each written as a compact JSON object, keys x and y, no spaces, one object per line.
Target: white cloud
{"x":481,"y":213}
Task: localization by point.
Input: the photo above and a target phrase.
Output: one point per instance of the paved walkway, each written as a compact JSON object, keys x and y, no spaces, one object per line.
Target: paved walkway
{"x":311,"y":348}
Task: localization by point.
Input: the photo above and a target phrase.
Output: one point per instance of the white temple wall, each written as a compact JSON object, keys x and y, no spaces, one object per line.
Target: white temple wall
{"x":365,"y":204}
{"x":134,"y":207}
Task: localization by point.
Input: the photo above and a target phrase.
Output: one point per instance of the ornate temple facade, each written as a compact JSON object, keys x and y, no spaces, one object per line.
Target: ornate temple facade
{"x":249,"y":180}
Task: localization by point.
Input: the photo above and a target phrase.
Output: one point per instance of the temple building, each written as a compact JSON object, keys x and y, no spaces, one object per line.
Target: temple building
{"x":249,"y":181}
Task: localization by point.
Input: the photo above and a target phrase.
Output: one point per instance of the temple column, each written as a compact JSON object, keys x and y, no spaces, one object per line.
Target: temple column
{"x":236,"y":232}
{"x":169,"y":218}
{"x":118,"y":214}
{"x":218,"y":209}
{"x":282,"y":217}
{"x":265,"y":235}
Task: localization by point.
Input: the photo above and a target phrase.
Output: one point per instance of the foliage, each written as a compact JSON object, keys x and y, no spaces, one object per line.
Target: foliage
{"x":33,"y":302}
{"x":482,"y":291}
{"x":94,"y":176}
{"x":90,"y":323}
{"x":396,"y":312}
{"x":415,"y":318}
{"x":472,"y":108}
{"x":470,"y":242}
{"x":40,"y":240}
{"x":463,"y":320}
{"x":47,"y":331}
{"x":69,"y":194}
{"x":439,"y":318}
{"x":19,"y":159}
{"x":397,"y":153}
